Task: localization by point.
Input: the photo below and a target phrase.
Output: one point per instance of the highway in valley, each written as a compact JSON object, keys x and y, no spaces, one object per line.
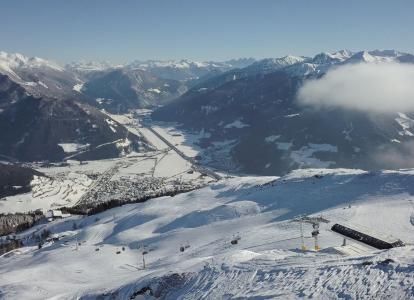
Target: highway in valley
{"x":192,"y":161}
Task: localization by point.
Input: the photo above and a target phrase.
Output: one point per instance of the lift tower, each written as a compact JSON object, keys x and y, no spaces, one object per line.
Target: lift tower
{"x":314,"y":221}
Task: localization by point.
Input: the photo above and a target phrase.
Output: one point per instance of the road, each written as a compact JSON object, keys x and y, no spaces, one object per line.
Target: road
{"x":191,"y":160}
{"x":163,"y":145}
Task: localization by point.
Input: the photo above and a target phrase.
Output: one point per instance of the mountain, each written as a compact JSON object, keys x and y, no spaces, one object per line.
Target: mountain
{"x":118,"y":90}
{"x":42,"y":128}
{"x":15,"y":179}
{"x":84,"y":67}
{"x":251,"y":117}
{"x":38,"y":76}
{"x":143,"y":84}
{"x":113,"y":87}
{"x":381,"y":56}
{"x":186,"y":70}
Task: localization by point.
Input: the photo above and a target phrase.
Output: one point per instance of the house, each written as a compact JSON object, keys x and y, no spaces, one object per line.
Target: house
{"x":54,"y":214}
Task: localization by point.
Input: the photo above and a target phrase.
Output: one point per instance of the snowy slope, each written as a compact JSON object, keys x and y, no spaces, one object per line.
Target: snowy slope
{"x":128,"y":177}
{"x":265,"y":264}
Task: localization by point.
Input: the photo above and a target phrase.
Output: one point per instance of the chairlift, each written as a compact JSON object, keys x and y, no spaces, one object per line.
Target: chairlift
{"x":315,"y":233}
{"x":235,"y":239}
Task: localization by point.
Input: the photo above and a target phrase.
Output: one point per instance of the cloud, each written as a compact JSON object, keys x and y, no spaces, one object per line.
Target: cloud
{"x":381,"y":87}
{"x":396,"y":158}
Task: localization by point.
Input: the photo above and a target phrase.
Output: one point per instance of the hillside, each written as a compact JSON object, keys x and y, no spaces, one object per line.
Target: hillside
{"x":15,"y":179}
{"x":36,"y":129}
{"x":119,"y":90}
{"x":253,"y":116}
{"x":266,"y":261}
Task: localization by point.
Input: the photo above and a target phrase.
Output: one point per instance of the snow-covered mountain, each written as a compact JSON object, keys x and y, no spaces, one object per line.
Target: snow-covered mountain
{"x":103,"y":85}
{"x":320,"y":63}
{"x":84,"y":67}
{"x":186,"y":242}
{"x":118,"y":90}
{"x":38,"y":76}
{"x":186,"y":69}
{"x":141,"y":84}
{"x":252,"y":115}
{"x":15,"y":61}
{"x":42,"y":128}
{"x":114,"y":87}
{"x":182,"y":70}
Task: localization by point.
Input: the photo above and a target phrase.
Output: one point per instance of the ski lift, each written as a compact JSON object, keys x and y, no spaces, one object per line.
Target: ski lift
{"x":235,"y":239}
{"x":315,"y":230}
{"x":315,"y":221}
{"x":144,"y":252}
{"x":185,"y":246}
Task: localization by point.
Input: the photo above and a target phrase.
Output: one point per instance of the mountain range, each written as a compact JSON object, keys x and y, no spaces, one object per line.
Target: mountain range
{"x":251,"y":115}
{"x":246,"y":108}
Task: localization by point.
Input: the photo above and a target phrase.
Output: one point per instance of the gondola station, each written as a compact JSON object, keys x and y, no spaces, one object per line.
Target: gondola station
{"x":369,"y":238}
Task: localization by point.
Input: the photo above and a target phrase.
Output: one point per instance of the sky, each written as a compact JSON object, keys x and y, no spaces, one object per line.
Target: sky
{"x":124,"y":30}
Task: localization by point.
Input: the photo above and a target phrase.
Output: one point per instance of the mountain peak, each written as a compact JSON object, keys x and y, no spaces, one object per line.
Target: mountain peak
{"x":17,"y":60}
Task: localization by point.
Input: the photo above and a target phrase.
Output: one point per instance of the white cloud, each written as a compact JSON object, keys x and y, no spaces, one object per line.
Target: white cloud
{"x":381,"y":87}
{"x":400,"y":156}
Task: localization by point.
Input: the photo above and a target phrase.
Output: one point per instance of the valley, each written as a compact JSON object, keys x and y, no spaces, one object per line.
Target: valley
{"x":165,"y":169}
{"x":200,"y":180}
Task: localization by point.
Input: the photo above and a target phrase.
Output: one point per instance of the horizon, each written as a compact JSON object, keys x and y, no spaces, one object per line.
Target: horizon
{"x":195,"y":60}
{"x":208,"y":31}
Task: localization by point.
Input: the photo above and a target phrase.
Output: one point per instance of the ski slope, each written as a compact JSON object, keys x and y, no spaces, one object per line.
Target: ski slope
{"x":265,"y":264}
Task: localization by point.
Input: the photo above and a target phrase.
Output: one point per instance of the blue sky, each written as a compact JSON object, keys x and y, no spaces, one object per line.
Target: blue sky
{"x":124,"y":30}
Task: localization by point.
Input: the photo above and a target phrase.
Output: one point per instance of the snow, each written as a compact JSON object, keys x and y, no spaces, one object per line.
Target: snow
{"x":303,"y":156}
{"x":271,"y":138}
{"x":30,"y":83}
{"x":42,"y":84}
{"x":175,"y":64}
{"x":123,"y":144}
{"x":283,"y":146}
{"x":292,"y":115}
{"x":132,"y":176}
{"x":187,"y":142}
{"x":87,"y":67}
{"x":111,"y":124}
{"x":266,"y":263}
{"x":72,"y":147}
{"x":208,"y":109}
{"x":236,"y":124}
{"x":57,"y":191}
{"x":406,"y":123}
{"x":78,"y":87}
{"x":155,"y":91}
{"x":12,"y":61}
